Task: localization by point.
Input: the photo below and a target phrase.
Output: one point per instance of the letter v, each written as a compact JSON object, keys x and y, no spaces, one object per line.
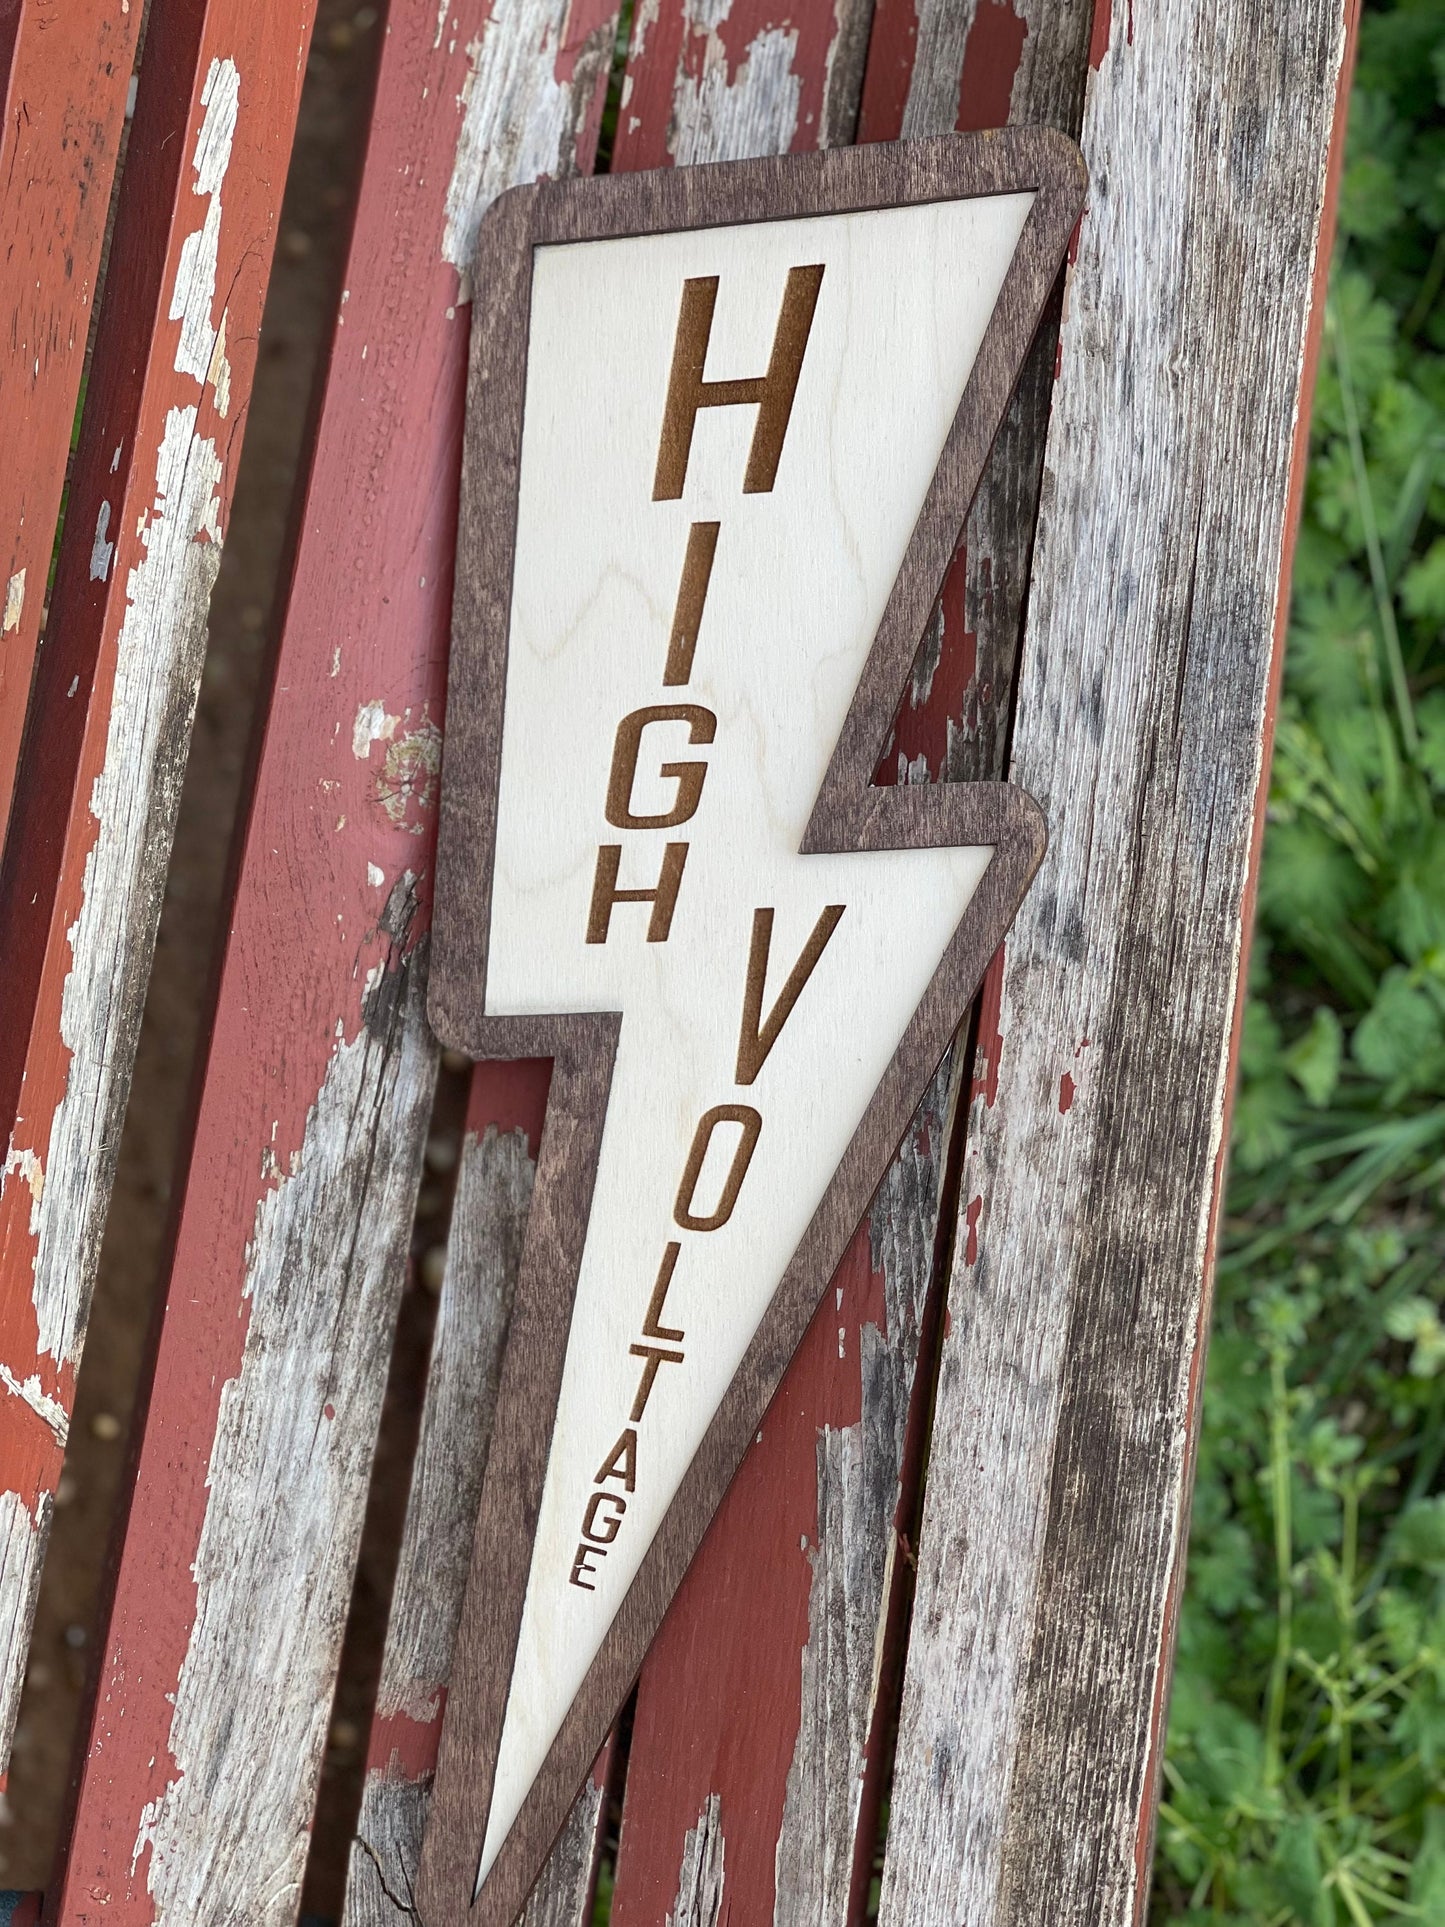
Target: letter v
{"x":756,"y":1037}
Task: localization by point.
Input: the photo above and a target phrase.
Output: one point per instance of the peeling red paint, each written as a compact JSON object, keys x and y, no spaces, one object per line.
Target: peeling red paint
{"x":1066,"y":1094}
{"x":971,"y":1217}
{"x":69,"y":66}
{"x":60,"y":151}
{"x":677,"y":59}
{"x":511,"y":1097}
{"x":1099,"y":37}
{"x":388,"y":503}
{"x":732,"y":1638}
{"x":949,"y":700}
{"x":405,"y":1748}
{"x":990,"y":66}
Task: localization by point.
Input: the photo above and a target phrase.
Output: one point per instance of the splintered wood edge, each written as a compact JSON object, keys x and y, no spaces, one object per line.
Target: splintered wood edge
{"x":849,"y":815}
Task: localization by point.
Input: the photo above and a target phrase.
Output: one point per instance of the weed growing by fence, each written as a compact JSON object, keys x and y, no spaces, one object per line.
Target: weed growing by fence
{"x":1305,"y":1779}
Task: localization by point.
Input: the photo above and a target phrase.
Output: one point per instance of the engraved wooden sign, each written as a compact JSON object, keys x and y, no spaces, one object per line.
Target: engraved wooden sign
{"x":723,"y":431}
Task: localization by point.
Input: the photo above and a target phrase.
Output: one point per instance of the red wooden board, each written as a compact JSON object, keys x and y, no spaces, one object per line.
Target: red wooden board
{"x":507,"y":1101}
{"x":96,"y":791}
{"x":63,"y":80}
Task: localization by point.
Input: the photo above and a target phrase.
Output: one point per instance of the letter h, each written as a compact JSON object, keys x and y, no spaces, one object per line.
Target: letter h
{"x":771,"y":393}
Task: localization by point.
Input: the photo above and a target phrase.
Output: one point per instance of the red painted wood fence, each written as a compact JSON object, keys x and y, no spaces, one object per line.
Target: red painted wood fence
{"x":847,"y":1630}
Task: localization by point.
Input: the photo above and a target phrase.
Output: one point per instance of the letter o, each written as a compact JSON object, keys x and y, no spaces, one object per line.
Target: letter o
{"x":752,"y":1124}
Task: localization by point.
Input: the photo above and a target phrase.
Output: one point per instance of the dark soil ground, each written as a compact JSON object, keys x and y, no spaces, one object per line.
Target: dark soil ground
{"x":299,"y":309}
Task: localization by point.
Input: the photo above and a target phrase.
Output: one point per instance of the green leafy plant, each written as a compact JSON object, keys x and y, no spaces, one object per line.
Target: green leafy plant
{"x":1305,"y":1775}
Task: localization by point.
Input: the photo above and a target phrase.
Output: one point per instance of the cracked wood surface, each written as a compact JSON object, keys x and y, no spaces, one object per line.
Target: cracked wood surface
{"x":781,"y":1646}
{"x":292,"y":1235}
{"x":98,"y":785}
{"x":1054,"y":1522}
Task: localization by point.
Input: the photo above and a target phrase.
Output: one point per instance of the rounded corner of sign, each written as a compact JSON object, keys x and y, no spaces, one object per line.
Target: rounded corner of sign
{"x":1061,"y":168}
{"x":1028,"y":827}
{"x":508,"y":217}
{"x":1015,"y":826}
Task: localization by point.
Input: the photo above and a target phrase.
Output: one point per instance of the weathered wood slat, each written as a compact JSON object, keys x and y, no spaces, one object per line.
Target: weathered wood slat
{"x":1054,"y":1525}
{"x":63,"y":82}
{"x":494,"y":1188}
{"x":759,"y":1704}
{"x":710,"y":82}
{"x":220,"y":1656}
{"x":936,"y":66}
{"x":97,"y":787}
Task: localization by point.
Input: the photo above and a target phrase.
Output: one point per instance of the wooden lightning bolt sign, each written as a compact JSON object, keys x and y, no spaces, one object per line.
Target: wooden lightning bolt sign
{"x":723,"y":432}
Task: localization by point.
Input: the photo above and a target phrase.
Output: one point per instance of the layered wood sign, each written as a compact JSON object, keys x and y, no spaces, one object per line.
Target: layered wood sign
{"x":724,"y":429}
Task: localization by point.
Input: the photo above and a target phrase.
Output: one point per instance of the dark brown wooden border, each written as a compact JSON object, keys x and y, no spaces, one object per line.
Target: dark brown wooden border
{"x":849,"y":815}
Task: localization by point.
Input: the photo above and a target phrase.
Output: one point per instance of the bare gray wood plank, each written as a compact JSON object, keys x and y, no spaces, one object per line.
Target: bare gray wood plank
{"x":1054,"y":1521}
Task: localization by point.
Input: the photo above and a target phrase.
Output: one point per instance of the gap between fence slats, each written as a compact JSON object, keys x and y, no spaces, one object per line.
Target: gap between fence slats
{"x":1054,"y":1521}
{"x":494,"y":1189}
{"x":220,"y":1657}
{"x":98,"y":784}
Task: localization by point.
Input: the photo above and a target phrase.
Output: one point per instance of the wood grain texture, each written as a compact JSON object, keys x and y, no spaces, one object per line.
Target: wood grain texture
{"x":200,"y":1771}
{"x":97,"y":788}
{"x":494,"y":1188}
{"x":848,"y":815}
{"x":699,"y":1901}
{"x":63,"y":82}
{"x":1054,"y":1521}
